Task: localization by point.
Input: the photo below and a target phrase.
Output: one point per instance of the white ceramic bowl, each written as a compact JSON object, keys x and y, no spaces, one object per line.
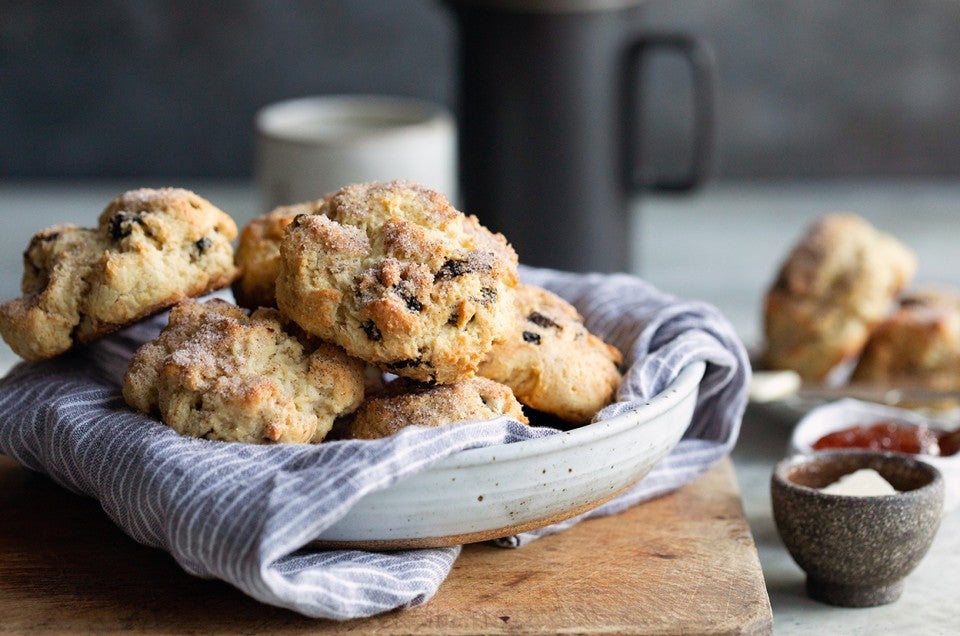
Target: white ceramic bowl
{"x":846,"y":413}
{"x":485,"y":493}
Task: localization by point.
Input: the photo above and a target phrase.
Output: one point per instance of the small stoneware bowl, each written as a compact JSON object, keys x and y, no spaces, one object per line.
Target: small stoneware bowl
{"x":856,"y":550}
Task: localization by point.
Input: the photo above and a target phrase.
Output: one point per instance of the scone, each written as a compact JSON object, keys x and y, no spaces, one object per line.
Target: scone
{"x":835,"y":286}
{"x":407,"y":403}
{"x":917,"y":346}
{"x":258,"y":254}
{"x":151,"y":248}
{"x":398,"y":277}
{"x":217,"y":373}
{"x":550,"y":360}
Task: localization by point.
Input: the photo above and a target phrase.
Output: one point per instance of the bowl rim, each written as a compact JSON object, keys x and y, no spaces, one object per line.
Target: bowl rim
{"x":376,"y":116}
{"x":525,"y":499}
{"x":779,"y":477}
{"x":685,"y":382}
{"x":823,"y":420}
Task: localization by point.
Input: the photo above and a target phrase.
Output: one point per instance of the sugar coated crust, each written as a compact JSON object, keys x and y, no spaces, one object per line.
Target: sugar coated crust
{"x":835,"y":286}
{"x":394,"y":274}
{"x":215,"y":372}
{"x":407,"y":403}
{"x":151,"y":248}
{"x":258,"y":254}
{"x":551,"y":361}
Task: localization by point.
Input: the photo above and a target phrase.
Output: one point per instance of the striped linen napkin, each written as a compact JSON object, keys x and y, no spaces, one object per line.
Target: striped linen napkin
{"x":246,"y":514}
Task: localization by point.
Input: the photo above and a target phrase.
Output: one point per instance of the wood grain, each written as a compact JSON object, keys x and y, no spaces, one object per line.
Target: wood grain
{"x":685,"y":563}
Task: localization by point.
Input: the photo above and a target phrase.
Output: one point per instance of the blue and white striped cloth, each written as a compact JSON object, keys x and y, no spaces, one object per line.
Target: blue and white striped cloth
{"x":246,"y":514}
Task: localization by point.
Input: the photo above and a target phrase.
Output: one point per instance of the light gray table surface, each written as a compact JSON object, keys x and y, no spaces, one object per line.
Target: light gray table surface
{"x":722,"y":245}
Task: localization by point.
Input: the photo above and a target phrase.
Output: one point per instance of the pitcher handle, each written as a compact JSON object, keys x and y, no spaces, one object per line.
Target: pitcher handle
{"x":701,"y":60}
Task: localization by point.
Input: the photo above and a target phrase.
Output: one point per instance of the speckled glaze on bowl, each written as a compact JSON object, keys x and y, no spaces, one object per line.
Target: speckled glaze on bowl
{"x":856,"y":551}
{"x":495,"y":491}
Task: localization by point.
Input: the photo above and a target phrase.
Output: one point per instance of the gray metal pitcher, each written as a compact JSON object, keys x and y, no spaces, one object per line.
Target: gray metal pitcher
{"x":548,"y":123}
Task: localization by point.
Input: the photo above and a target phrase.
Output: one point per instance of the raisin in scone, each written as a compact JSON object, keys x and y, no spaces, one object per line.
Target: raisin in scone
{"x":835,"y":286}
{"x":394,"y":274}
{"x":408,"y":403}
{"x":258,"y":254}
{"x":150,"y":249}
{"x":217,"y":373}
{"x":550,"y":360}
{"x":918,"y":345}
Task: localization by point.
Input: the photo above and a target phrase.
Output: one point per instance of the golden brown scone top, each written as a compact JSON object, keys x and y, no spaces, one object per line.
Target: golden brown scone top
{"x":150,"y":249}
{"x":398,"y":277}
{"x":258,"y":254}
{"x":836,"y":284}
{"x":918,"y":345}
{"x":551,"y":361}
{"x":217,"y":373}
{"x":406,"y":403}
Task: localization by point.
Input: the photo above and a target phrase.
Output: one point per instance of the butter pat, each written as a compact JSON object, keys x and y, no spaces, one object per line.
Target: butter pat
{"x":865,"y":482}
{"x":770,"y":386}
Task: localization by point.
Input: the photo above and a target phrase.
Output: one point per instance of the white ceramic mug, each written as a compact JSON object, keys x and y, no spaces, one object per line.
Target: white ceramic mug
{"x":311,"y":146}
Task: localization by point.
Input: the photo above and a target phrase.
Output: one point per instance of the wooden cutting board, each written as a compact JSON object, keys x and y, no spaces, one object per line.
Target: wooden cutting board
{"x":685,"y":563}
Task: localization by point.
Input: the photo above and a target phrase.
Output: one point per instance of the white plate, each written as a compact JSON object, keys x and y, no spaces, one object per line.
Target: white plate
{"x":846,"y":413}
{"x":485,"y":493}
{"x":781,"y":396}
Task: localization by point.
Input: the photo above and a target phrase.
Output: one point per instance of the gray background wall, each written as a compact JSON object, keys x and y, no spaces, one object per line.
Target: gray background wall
{"x":808,"y":88}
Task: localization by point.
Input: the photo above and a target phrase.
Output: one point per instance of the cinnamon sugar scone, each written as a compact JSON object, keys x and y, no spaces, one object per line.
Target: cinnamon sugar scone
{"x":407,"y":403}
{"x":394,"y":274}
{"x":258,"y":254}
{"x":217,"y":373}
{"x":918,"y":345}
{"x":550,"y":360}
{"x":835,"y":286}
{"x":150,"y":249}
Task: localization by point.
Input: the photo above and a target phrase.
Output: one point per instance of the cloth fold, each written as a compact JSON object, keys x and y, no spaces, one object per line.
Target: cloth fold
{"x":246,"y":514}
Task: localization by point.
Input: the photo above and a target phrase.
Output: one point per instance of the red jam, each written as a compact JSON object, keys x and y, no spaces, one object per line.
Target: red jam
{"x":893,"y":436}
